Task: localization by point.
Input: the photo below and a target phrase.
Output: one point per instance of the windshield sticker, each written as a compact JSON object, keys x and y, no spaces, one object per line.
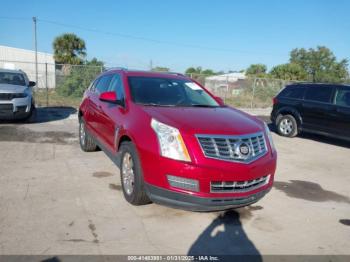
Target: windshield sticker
{"x":193,"y":86}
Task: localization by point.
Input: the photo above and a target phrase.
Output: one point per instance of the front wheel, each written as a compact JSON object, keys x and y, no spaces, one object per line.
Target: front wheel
{"x":31,"y":116}
{"x":131,"y":175}
{"x":287,"y":126}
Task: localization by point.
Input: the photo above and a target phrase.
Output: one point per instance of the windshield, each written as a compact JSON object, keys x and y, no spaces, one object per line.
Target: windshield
{"x":169,"y":92}
{"x":12,"y":79}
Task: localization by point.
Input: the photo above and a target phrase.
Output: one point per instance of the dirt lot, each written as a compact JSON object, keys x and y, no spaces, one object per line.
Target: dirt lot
{"x":55,"y":199}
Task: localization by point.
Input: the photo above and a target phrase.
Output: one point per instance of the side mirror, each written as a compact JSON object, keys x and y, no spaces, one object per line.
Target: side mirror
{"x":110,"y":97}
{"x":32,"y":83}
{"x":219,"y":100}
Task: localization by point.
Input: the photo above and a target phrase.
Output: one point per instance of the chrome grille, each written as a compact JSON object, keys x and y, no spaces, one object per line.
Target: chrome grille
{"x":229,"y":147}
{"x":6,"y":96}
{"x":238,"y":186}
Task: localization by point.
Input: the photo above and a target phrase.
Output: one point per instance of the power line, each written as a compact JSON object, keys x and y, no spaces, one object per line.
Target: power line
{"x":14,"y":18}
{"x":150,"y":39}
{"x":145,"y":39}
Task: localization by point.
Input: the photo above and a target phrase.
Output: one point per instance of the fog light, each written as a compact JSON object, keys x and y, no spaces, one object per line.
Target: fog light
{"x":183,"y":183}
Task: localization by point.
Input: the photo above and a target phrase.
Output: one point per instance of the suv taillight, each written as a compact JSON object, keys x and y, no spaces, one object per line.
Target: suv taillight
{"x":274,"y":101}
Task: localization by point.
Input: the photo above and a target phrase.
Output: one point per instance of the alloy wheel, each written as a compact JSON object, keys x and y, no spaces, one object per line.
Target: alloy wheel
{"x":82,"y":133}
{"x":128,"y":173}
{"x":286,"y":126}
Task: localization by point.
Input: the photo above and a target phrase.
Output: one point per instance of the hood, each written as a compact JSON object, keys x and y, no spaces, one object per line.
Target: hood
{"x":199,"y":120}
{"x":6,"y":88}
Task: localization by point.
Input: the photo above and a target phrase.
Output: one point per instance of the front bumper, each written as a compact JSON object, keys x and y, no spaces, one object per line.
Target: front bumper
{"x":194,"y":203}
{"x":16,"y":108}
{"x":157,"y":169}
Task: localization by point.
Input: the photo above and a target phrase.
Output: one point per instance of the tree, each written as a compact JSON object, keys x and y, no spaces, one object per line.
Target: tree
{"x":69,"y":49}
{"x":199,"y":71}
{"x":161,"y":69}
{"x":258,"y":70}
{"x":95,"y":62}
{"x":198,"y":74}
{"x":320,"y":64}
{"x":79,"y":78}
{"x":193,"y":71}
{"x":289,"y":71}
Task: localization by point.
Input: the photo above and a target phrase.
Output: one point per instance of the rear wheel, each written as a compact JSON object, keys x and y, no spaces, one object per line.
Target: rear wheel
{"x":287,"y":126}
{"x":131,"y":175}
{"x":87,"y":144}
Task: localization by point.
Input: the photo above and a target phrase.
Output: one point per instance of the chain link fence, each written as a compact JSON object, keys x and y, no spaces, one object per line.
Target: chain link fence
{"x":57,"y":85}
{"x":240,"y":91}
{"x":63,"y":85}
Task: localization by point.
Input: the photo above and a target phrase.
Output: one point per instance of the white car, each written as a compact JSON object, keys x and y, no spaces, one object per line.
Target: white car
{"x":16,"y":95}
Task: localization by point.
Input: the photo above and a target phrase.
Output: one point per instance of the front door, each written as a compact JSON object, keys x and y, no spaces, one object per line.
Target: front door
{"x":317,"y":108}
{"x":112,"y":115}
{"x":342,"y":111}
{"x":98,"y":106}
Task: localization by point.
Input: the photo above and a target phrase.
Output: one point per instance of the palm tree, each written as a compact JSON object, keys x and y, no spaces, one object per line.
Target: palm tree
{"x":69,"y":49}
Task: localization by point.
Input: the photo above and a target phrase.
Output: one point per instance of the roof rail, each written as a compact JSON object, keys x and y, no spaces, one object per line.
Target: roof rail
{"x":126,"y":69}
{"x":166,"y":72}
{"x":117,"y":68}
{"x":175,"y":73}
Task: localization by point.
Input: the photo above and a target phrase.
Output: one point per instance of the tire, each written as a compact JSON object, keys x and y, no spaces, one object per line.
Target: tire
{"x":131,"y":175}
{"x":86,"y":142}
{"x":31,"y":117}
{"x":287,"y":126}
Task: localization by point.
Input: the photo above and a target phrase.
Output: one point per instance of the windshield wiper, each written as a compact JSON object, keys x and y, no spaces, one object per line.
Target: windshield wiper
{"x":154,"y":104}
{"x":200,"y":105}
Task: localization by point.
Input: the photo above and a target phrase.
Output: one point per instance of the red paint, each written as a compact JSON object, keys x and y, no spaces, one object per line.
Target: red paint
{"x":108,"y":97}
{"x":133,"y":121}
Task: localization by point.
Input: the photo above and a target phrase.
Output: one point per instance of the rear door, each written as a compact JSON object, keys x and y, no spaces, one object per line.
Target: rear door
{"x":317,"y":108}
{"x":88,"y":112}
{"x":291,"y":96}
{"x":342,"y":111}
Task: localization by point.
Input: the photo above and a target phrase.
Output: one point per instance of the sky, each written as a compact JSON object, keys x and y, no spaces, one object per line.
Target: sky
{"x":220,"y":35}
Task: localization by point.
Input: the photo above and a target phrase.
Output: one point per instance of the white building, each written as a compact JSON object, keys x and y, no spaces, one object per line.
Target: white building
{"x":16,"y":58}
{"x":225,"y":83}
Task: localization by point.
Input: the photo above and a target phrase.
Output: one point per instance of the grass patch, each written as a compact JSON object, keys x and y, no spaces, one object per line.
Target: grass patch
{"x":52,"y":99}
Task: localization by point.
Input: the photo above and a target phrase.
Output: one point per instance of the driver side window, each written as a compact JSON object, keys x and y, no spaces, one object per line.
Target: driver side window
{"x":342,"y":97}
{"x":116,"y":85}
{"x":103,"y":83}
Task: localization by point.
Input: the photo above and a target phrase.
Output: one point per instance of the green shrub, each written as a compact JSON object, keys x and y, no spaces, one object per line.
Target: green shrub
{"x":74,"y":80}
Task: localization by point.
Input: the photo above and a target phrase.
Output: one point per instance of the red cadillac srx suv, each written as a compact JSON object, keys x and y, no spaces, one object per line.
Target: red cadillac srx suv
{"x":175,"y":143}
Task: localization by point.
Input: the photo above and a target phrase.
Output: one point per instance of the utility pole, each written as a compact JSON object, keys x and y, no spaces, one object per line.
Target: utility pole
{"x":150,"y":65}
{"x":36,"y":51}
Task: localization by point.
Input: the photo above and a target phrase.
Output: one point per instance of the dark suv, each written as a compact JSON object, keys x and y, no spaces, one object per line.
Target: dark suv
{"x":316,"y":108}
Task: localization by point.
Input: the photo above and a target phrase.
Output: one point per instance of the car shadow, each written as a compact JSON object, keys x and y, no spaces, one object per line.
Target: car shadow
{"x":45,"y":114}
{"x":325,"y":139}
{"x":225,"y":237}
{"x":311,"y":136}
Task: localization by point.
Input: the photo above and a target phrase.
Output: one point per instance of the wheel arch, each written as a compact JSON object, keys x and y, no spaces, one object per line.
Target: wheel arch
{"x":290,"y":111}
{"x":123,"y":138}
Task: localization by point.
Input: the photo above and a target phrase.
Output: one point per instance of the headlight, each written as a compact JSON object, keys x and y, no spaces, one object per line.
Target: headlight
{"x":170,"y":141}
{"x":269,"y":136}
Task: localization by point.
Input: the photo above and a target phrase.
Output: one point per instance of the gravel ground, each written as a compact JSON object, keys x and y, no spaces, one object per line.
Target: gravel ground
{"x":56,"y":199}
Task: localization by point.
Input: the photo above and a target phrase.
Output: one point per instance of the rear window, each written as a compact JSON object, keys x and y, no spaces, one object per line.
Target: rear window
{"x":319,"y":93}
{"x":342,"y":97}
{"x":296,"y":92}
